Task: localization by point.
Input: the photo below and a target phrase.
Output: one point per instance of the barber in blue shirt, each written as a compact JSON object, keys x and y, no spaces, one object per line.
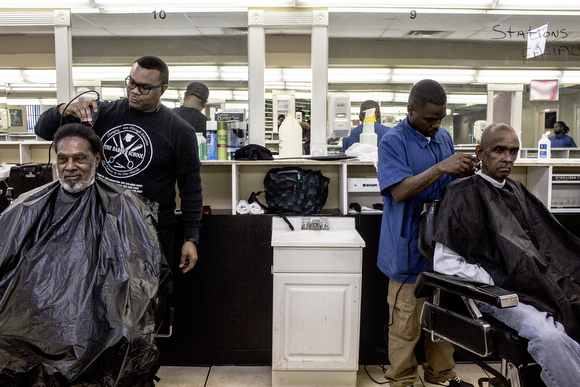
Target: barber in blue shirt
{"x":416,"y":160}
{"x":354,"y":135}
{"x":560,"y":139}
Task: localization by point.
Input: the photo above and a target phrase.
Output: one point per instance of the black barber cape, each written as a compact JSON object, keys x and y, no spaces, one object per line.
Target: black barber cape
{"x":78,"y":279}
{"x":514,"y":237}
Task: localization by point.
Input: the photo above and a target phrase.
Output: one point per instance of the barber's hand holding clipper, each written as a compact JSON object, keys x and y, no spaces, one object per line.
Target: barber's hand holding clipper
{"x":460,"y":163}
{"x":463,"y":164}
{"x":83,"y":110}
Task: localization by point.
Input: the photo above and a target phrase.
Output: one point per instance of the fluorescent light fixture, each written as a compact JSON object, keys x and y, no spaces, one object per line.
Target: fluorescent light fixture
{"x":234,"y":73}
{"x":570,"y":77}
{"x":440,"y":75}
{"x":171,"y":94}
{"x":377,"y":96}
{"x":299,"y":85}
{"x":220,"y":95}
{"x":467,"y":99}
{"x":105,"y":73}
{"x":401,"y":97}
{"x":461,"y":4}
{"x":184,"y":73}
{"x":298,"y":75}
{"x":515,"y":76}
{"x":302,"y":95}
{"x":53,"y":4}
{"x":382,"y":9}
{"x":556,"y":5}
{"x":112,"y":93}
{"x":170,"y":104}
{"x":362,"y":75}
{"x":393,"y":110}
{"x":169,"y":4}
{"x":230,"y":105}
{"x":9,"y":76}
{"x":275,"y":85}
{"x":273,"y":75}
{"x":240,"y":95}
{"x":546,"y":12}
{"x":32,"y":87}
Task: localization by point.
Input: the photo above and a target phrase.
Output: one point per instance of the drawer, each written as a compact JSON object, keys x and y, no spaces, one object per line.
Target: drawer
{"x":317,"y":260}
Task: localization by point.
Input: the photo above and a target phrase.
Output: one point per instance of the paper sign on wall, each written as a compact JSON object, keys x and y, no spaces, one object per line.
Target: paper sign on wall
{"x":544,"y":90}
{"x":537,"y":41}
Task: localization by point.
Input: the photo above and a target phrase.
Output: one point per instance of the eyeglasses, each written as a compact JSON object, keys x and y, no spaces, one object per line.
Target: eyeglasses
{"x":143,"y":89}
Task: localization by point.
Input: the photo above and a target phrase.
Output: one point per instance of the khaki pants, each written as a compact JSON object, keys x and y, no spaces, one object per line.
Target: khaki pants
{"x":404,"y":333}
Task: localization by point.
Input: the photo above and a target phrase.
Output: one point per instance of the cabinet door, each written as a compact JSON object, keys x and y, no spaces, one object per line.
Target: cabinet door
{"x":316,"y":321}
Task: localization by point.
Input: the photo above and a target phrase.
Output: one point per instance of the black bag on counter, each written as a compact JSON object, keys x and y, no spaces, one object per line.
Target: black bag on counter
{"x":253,"y":152}
{"x":294,"y":190}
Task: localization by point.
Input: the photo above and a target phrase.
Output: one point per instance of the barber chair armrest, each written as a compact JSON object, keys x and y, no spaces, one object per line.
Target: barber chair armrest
{"x":428,"y":281}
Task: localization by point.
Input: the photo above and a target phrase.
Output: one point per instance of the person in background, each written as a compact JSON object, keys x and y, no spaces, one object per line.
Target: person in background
{"x":281,"y":118}
{"x":354,"y":135}
{"x":492,"y":230}
{"x":194,"y":100}
{"x":416,"y":160}
{"x":560,"y":139}
{"x":305,"y":137}
{"x":147,"y":148}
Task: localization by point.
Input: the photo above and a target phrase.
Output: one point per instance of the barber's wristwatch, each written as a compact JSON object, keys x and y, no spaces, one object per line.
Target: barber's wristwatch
{"x":194,"y":241}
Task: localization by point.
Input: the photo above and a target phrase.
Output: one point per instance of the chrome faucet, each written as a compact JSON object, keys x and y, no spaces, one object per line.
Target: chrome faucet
{"x":315,"y":223}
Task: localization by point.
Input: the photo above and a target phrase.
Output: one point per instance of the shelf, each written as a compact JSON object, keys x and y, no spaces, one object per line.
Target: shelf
{"x":226,"y":182}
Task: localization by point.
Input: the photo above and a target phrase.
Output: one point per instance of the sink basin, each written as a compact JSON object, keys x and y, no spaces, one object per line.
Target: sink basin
{"x":341,"y":233}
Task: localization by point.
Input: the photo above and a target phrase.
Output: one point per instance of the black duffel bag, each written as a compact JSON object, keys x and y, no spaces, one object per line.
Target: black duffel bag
{"x":294,"y":190}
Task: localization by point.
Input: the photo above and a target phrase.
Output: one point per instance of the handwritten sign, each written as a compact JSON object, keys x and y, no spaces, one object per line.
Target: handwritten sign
{"x":537,"y":41}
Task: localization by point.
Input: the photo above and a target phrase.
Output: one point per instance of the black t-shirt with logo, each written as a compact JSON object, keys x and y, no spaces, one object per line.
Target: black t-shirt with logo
{"x":146,"y":153}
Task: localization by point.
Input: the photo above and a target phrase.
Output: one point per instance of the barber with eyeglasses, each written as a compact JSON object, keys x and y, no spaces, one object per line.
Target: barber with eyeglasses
{"x":147,"y":148}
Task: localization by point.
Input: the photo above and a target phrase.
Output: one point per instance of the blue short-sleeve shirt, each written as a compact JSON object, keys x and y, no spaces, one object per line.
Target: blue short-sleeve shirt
{"x":404,"y":152}
{"x":563,"y":142}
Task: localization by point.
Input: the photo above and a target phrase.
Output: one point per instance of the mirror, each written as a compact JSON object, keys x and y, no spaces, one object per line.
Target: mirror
{"x":442,"y":45}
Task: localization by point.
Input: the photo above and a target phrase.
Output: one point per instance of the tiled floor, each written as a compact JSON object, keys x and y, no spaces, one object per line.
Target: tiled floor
{"x":238,"y":376}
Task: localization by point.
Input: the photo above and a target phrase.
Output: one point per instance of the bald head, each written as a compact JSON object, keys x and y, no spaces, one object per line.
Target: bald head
{"x":498,"y":150}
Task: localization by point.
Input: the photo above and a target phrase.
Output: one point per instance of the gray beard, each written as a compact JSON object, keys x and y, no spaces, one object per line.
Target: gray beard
{"x":80,"y":185}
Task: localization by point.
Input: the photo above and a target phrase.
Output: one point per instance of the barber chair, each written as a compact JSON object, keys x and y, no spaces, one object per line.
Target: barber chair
{"x":23,"y":178}
{"x":163,"y":312}
{"x":451,"y":314}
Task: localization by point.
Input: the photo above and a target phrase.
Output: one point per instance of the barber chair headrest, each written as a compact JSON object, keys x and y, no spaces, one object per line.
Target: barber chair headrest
{"x":29,"y":170}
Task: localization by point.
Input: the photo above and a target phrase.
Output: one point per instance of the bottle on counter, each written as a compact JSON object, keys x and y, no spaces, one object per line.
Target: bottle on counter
{"x":211,"y":145}
{"x":290,"y":137}
{"x":544,"y":147}
{"x":201,"y":146}
{"x":222,"y":140}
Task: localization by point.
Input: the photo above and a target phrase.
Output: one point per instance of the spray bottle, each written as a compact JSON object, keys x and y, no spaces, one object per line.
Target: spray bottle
{"x":368,"y":135}
{"x":544,"y":146}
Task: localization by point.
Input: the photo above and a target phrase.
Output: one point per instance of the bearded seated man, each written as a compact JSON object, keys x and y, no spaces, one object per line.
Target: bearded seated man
{"x":492,"y":230}
{"x":79,"y":271}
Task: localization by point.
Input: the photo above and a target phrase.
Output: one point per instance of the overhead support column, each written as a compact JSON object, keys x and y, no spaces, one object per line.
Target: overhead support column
{"x":318,"y":113}
{"x":256,"y":82}
{"x":63,"y":55}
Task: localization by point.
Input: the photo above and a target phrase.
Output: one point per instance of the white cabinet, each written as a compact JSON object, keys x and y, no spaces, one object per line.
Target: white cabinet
{"x":317,"y":298}
{"x":316,"y":326}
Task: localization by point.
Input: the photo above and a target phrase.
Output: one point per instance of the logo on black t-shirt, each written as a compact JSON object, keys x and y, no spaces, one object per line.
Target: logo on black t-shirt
{"x":127,"y":150}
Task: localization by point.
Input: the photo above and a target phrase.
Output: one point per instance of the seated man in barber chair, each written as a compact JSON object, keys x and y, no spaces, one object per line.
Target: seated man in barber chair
{"x":80,"y":264}
{"x":492,"y":230}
